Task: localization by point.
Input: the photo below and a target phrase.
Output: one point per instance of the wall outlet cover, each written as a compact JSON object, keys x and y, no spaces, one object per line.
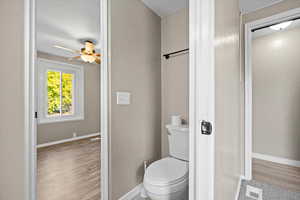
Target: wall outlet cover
{"x":254,"y":193}
{"x":74,"y":135}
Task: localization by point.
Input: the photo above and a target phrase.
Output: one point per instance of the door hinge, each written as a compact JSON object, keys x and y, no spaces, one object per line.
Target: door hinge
{"x":206,"y":128}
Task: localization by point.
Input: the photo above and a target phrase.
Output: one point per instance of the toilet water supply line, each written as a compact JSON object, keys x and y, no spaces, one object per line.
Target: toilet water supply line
{"x":143,"y":191}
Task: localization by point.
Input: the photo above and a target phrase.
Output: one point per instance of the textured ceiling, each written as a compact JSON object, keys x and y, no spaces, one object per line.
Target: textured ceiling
{"x":165,"y":7}
{"x":62,"y":22}
{"x":247,"y":6}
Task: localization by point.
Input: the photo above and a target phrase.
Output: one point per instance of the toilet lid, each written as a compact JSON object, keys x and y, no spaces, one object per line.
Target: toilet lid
{"x":166,"y":171}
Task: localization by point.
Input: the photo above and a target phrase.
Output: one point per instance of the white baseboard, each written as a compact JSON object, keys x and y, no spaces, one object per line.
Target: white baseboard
{"x":132,"y":193}
{"x":68,"y":140}
{"x":239,"y":187}
{"x":284,"y":161}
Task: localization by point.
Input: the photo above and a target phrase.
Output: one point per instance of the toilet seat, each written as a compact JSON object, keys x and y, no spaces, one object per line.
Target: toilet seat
{"x":166,"y":176}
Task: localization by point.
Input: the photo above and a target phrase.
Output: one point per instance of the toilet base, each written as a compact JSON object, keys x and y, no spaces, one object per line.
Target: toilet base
{"x":180,"y":195}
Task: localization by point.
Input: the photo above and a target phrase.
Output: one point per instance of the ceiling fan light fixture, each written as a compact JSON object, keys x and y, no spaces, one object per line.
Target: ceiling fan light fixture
{"x":88,"y":58}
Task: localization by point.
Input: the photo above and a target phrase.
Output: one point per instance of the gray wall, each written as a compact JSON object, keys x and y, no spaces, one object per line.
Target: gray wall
{"x":12,"y":138}
{"x":276,"y":94}
{"x":135,"y":129}
{"x":228,"y":103}
{"x":175,"y":90}
{"x":91,"y":124}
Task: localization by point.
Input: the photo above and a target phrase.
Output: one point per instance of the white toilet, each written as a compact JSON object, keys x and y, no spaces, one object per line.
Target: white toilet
{"x":168,"y":178}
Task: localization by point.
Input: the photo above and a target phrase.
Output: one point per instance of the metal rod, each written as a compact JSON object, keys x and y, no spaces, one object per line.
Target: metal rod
{"x":167,"y":56}
{"x":267,"y":26}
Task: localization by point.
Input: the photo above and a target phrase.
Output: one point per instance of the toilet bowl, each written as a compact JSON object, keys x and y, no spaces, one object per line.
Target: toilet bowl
{"x":167,"y":179}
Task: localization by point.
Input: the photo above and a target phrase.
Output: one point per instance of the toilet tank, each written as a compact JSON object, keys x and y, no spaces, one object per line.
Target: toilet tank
{"x":178,"y":137}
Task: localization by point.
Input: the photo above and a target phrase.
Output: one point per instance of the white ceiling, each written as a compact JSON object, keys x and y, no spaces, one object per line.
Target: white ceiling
{"x":62,"y":22}
{"x":268,"y":31}
{"x":166,"y":7}
{"x":247,"y":6}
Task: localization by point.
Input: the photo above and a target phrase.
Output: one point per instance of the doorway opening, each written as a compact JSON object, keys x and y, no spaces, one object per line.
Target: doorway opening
{"x":271,"y":101}
{"x":66,"y":99}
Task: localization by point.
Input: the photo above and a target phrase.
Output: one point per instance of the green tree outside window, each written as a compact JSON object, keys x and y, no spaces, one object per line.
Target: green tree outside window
{"x":60,"y":93}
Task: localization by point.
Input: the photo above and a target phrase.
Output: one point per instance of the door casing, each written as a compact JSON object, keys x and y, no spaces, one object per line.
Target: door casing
{"x":201,"y":98}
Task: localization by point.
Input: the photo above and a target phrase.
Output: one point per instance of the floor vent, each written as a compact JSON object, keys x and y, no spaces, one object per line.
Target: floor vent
{"x":254,"y":192}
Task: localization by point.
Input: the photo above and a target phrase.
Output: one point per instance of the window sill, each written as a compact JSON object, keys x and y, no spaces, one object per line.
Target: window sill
{"x":60,"y":120}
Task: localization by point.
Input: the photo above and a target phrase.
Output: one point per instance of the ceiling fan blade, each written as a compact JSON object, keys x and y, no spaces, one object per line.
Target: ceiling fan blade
{"x":75,"y":57}
{"x":66,"y":49}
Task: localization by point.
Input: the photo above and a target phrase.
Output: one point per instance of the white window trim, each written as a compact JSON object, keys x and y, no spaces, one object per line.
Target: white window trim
{"x":43,"y":66}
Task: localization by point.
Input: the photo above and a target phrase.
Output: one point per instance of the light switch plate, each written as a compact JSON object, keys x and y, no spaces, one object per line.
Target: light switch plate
{"x":123,"y":98}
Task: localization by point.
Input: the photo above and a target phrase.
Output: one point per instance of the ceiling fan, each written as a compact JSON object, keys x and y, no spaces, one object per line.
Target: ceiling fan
{"x":87,"y":53}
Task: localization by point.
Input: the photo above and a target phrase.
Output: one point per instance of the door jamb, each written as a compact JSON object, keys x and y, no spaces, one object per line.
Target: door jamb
{"x":201,"y":98}
{"x":29,"y":99}
{"x":30,"y":122}
{"x":248,"y":79}
{"x":104,"y":15}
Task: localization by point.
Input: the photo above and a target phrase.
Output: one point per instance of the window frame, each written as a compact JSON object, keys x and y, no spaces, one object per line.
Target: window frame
{"x":45,"y":65}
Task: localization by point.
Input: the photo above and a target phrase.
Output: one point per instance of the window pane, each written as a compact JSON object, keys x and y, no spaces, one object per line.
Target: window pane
{"x":67,"y":94}
{"x":53,"y":85}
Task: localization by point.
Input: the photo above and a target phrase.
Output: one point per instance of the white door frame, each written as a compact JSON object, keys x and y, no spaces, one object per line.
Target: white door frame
{"x":288,"y":15}
{"x":104,"y":15}
{"x":30,"y":103}
{"x":201,"y":98}
{"x":30,"y":122}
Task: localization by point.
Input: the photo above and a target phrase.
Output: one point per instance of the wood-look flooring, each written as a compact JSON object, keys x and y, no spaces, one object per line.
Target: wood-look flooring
{"x":69,"y":171}
{"x":284,"y":176}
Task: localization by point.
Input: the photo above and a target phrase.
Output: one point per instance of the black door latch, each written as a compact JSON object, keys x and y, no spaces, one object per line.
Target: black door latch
{"x":206,"y":128}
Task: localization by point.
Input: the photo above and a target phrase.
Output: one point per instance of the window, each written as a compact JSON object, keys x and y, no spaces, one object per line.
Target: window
{"x":60,"y":91}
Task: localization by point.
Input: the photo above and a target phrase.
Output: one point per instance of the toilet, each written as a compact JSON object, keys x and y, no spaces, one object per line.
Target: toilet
{"x":168,"y":178}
